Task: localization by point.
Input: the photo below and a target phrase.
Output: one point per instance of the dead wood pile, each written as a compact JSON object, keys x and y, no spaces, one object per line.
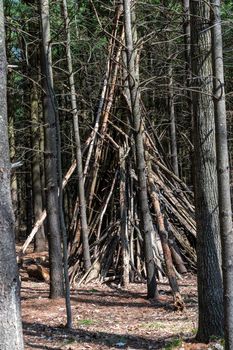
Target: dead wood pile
{"x":111,"y":187}
{"x":112,"y":190}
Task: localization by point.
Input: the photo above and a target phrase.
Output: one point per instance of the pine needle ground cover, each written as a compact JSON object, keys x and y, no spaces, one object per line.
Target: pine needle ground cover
{"x":109,"y":317}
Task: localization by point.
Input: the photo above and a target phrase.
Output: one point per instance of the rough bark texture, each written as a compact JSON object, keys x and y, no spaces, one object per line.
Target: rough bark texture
{"x":225,"y":211}
{"x":147,"y":224}
{"x":81,"y":190}
{"x":187,"y":38}
{"x":123,"y":215}
{"x":36,"y":131}
{"x":171,"y":102}
{"x":51,"y":178}
{"x":14,"y":182}
{"x":188,"y":75}
{"x":40,"y":241}
{"x":10,"y":321}
{"x":210,"y":293}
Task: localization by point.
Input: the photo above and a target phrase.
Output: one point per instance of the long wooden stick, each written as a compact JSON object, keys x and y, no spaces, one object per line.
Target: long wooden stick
{"x":164,"y":241}
{"x":42,"y":218}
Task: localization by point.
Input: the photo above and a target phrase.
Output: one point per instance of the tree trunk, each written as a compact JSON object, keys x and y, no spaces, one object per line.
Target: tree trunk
{"x":174,"y":155}
{"x":51,"y":168}
{"x":10,"y":322}
{"x":187,"y":39}
{"x":188,"y":77}
{"x":225,"y":213}
{"x":14,"y":180}
{"x":141,"y":166}
{"x":82,"y":200}
{"x":123,"y":216}
{"x":40,"y":241}
{"x":37,"y":188}
{"x":210,"y":293}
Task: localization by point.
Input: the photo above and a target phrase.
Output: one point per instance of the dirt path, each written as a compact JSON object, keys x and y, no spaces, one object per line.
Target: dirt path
{"x":107,"y":317}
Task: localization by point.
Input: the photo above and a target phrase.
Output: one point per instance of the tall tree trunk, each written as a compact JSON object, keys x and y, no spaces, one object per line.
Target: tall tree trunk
{"x":141,"y":166}
{"x":174,"y":156}
{"x":188,"y":76}
{"x":28,"y":191}
{"x":225,"y":213}
{"x":51,"y":167}
{"x":10,"y":322}
{"x":123,"y":216}
{"x":210,"y":293}
{"x":14,"y":182}
{"x":40,"y":241}
{"x":37,"y":188}
{"x":187,"y":39}
{"x":82,"y":200}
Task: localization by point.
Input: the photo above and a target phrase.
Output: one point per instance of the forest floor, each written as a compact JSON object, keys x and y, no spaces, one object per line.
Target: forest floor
{"x":109,"y":317}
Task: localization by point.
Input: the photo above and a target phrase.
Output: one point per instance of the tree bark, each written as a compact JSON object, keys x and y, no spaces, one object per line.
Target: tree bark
{"x":188,"y":77}
{"x":123,"y":216}
{"x":187,"y":39}
{"x":225,"y":212}
{"x":141,"y":166}
{"x":81,"y":190}
{"x":171,"y":97}
{"x":210,"y":293}
{"x":14,"y":180}
{"x":10,"y":322}
{"x":51,"y":167}
{"x":40,"y":241}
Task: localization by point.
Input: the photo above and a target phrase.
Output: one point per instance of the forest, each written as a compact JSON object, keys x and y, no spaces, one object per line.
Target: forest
{"x":116,"y":174}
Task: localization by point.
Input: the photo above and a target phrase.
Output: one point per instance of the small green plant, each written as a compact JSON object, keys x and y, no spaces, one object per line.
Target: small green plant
{"x":193,"y":331}
{"x":153,"y":325}
{"x":214,"y":338}
{"x":222,"y":341}
{"x":85,"y":322}
{"x":173,"y":344}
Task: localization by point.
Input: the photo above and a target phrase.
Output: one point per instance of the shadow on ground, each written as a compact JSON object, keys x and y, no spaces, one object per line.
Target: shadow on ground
{"x":64,"y":336}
